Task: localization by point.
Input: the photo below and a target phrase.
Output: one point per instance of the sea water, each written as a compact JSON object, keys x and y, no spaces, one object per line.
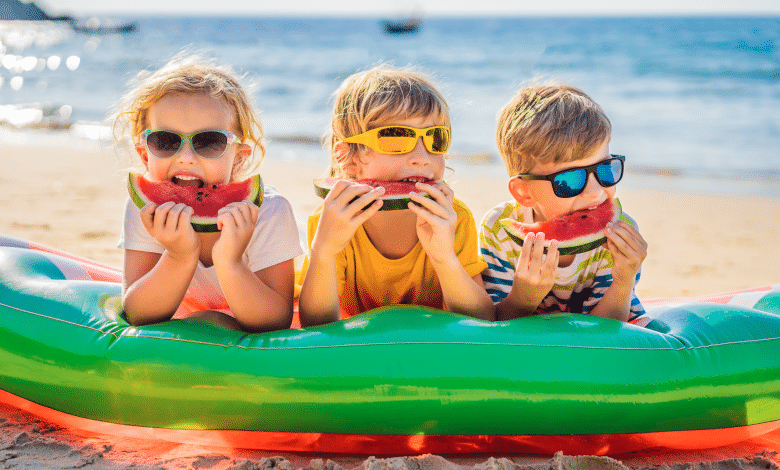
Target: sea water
{"x":694,"y":102}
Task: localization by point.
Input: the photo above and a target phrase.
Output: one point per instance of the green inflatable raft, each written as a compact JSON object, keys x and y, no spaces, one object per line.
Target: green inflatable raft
{"x":397,"y":380}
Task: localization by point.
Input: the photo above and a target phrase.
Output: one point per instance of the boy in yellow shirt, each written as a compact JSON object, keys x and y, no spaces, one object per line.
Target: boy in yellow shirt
{"x":390,"y":125}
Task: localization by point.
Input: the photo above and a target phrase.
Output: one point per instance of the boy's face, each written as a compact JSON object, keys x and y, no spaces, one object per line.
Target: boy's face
{"x":417,"y":165}
{"x":539,"y":193}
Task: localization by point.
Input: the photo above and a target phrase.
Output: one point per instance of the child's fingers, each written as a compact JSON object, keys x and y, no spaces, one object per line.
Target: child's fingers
{"x":525,"y":251}
{"x":367,"y":212}
{"x":440,"y":192}
{"x":550,"y":264}
{"x":147,"y":216}
{"x":440,"y":208}
{"x":177,"y":216}
{"x":357,"y":204}
{"x":626,"y":241}
{"x":241,"y":211}
{"x":537,"y":251}
{"x":344,"y":191}
{"x":338,"y":188}
{"x":161,"y":215}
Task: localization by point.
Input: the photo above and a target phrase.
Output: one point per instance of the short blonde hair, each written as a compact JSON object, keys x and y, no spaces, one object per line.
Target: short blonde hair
{"x":191,"y":74}
{"x":374,"y":97}
{"x":549,"y":123}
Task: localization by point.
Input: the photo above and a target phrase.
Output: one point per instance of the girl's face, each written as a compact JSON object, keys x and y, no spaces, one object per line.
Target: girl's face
{"x":184,"y":114}
{"x":417,"y":165}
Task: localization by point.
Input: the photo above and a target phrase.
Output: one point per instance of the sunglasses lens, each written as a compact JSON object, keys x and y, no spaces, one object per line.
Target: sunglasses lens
{"x":396,"y":140}
{"x":570,"y":183}
{"x":209,"y":144}
{"x":610,"y":172}
{"x":163,"y":144}
{"x":438,"y":139}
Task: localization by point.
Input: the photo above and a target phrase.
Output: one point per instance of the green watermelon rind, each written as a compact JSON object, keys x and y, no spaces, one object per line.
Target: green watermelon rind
{"x":574,"y":246}
{"x":389,"y":203}
{"x":199,"y":224}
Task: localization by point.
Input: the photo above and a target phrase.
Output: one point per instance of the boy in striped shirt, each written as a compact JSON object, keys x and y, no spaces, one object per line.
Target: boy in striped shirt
{"x":554,"y":140}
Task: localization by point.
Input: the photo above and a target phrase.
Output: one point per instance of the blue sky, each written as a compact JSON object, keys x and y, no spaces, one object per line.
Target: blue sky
{"x":427,"y":7}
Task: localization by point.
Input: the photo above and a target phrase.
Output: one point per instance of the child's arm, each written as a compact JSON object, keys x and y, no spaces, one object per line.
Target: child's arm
{"x":436,"y":223}
{"x":154,"y":284}
{"x":628,"y":250}
{"x":259,"y":301}
{"x":534,"y":278}
{"x":346,"y":208}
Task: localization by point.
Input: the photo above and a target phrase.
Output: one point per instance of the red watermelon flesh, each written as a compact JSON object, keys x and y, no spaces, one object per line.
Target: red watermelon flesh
{"x":396,"y":195}
{"x":205,"y":201}
{"x":577,"y":232}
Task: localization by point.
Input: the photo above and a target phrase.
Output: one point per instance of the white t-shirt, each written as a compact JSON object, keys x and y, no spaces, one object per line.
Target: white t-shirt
{"x":274,"y":240}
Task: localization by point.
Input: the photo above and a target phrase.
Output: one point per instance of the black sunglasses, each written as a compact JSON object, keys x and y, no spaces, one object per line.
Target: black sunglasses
{"x":571,"y":182}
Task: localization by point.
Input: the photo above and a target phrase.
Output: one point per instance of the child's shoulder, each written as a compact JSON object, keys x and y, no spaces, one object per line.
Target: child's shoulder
{"x":505,"y":210}
{"x":274,"y":202}
{"x":461,"y":208}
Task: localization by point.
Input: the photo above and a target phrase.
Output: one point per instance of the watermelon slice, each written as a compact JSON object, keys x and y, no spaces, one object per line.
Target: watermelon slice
{"x":577,"y":232}
{"x":396,"y":192}
{"x":206,"y":201}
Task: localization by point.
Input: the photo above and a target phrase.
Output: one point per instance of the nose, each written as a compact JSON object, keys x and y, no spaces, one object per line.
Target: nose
{"x":419,"y":155}
{"x":186,"y":152}
{"x":592,"y":187}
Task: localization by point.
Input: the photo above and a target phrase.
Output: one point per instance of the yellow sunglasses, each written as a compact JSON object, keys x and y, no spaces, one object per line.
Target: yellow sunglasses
{"x":403,"y":139}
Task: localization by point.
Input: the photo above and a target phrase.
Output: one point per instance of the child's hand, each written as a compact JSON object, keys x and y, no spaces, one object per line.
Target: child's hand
{"x":436,"y":221}
{"x":346,"y":207}
{"x":534,"y":273}
{"x":237,"y":222}
{"x":628,"y":250}
{"x":169,"y":224}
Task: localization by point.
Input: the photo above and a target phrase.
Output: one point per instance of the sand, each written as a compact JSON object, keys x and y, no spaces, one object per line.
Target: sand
{"x":71,"y":197}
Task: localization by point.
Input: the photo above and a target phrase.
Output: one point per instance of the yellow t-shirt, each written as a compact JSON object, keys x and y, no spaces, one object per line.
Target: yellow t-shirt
{"x":368,"y":280}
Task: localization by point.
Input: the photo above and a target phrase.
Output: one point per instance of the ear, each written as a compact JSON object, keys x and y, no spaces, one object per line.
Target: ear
{"x":141,"y":150}
{"x":344,"y":157}
{"x":519,"y":190}
{"x":243,"y":152}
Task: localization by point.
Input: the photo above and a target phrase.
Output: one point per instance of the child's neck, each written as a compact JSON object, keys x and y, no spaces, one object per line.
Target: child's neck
{"x":393,"y":233}
{"x":207,"y":241}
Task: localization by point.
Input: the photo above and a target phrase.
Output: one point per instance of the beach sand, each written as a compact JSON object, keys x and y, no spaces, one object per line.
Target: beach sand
{"x":71,"y":198}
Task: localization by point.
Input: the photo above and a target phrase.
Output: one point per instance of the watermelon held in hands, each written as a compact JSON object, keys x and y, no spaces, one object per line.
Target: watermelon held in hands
{"x":396,"y":195}
{"x":205,"y":201}
{"x":577,"y":232}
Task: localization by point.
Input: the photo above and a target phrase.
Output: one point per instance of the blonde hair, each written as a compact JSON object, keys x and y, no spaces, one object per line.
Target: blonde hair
{"x":191,"y":74}
{"x":374,"y":97}
{"x":549,"y":123}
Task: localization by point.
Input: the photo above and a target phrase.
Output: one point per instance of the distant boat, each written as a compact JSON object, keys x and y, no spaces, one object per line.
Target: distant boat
{"x":29,"y":11}
{"x":402,"y":26}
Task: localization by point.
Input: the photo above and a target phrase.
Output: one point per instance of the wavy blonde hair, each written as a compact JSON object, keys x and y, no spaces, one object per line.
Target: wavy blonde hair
{"x":549,"y":123}
{"x":190,"y":74}
{"x":373,"y":98}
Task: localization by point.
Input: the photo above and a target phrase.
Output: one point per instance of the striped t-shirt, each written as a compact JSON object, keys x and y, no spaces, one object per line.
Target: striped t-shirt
{"x":578,"y":287}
